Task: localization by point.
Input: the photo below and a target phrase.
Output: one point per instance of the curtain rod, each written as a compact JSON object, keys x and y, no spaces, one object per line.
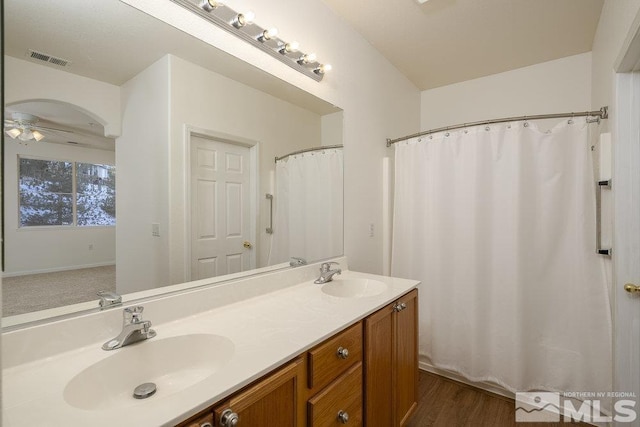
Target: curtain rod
{"x":324,"y":147}
{"x":602,"y":113}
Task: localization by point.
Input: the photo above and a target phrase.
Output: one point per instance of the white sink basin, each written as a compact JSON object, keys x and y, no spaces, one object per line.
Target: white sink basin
{"x":173,"y":364}
{"x":354,"y":288}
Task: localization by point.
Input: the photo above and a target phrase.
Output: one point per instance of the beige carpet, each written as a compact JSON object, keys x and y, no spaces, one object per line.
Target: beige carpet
{"x":23,"y":294}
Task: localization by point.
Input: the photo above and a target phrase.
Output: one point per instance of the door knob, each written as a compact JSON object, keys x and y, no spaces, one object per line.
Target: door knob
{"x":247,"y":245}
{"x":631,"y":288}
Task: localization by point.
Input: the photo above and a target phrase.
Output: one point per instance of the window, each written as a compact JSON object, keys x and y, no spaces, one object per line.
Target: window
{"x":54,"y":192}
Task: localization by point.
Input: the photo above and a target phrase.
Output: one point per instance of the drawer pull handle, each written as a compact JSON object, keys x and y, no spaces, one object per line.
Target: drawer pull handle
{"x":343,"y":417}
{"x":343,"y":353}
{"x":207,"y":424}
{"x":228,"y":418}
{"x":400,"y":307}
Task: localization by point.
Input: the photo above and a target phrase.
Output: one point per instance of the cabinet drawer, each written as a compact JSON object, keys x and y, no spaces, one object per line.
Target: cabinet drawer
{"x":343,"y":398}
{"x":326,"y":362}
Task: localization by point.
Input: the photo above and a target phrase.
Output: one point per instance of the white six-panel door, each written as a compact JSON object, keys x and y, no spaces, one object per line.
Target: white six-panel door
{"x":220,"y":208}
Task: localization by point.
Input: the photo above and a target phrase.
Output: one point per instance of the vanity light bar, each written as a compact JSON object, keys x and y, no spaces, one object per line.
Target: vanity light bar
{"x":242,"y":26}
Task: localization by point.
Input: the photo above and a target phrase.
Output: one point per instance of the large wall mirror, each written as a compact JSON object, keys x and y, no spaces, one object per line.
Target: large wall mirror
{"x":137,"y":157}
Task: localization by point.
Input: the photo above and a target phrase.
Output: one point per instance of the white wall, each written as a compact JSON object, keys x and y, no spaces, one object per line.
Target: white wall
{"x":42,"y":249}
{"x":31,"y":250}
{"x":30,"y":82}
{"x":142,"y":181}
{"x":205,"y":100}
{"x":378,"y":101}
{"x":332,"y":129}
{"x":616,"y":19}
{"x":558,"y":86}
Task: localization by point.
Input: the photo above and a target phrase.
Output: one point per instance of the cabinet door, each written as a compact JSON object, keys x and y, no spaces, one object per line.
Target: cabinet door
{"x":273,"y":401}
{"x":406,"y":364}
{"x":379,"y":359}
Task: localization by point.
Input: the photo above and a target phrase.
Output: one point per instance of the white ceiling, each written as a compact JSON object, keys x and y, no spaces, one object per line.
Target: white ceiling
{"x":448,"y":41}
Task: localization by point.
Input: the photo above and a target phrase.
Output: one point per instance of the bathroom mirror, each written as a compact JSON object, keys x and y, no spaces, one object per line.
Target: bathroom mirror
{"x":156,"y":163}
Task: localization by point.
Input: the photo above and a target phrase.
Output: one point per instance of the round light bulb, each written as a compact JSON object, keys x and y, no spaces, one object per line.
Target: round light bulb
{"x":291,"y":47}
{"x":243,"y":19}
{"x":307,"y":58}
{"x":248,"y":17}
{"x":270,"y":33}
{"x":323,"y":68}
{"x":209,"y":5}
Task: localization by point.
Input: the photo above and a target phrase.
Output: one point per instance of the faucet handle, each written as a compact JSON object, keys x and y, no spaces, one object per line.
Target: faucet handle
{"x":326,"y":266}
{"x":133,"y":314}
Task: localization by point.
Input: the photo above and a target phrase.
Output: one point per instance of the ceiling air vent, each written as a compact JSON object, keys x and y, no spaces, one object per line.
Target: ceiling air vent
{"x":47,"y":58}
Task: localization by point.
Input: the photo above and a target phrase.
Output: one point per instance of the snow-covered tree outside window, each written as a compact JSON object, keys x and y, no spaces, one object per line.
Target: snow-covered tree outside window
{"x":96,"y":194}
{"x":47,"y":196}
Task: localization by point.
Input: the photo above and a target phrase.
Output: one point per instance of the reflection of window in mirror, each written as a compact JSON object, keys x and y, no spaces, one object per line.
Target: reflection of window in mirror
{"x":46,"y":195}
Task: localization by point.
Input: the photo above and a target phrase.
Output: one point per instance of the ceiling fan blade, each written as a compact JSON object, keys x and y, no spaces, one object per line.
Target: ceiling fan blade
{"x":51,"y":129}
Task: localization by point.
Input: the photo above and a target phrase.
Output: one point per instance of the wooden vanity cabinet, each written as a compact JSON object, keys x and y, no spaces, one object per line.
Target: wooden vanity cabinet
{"x":391,"y":363}
{"x":365,"y":375}
{"x":272,"y":401}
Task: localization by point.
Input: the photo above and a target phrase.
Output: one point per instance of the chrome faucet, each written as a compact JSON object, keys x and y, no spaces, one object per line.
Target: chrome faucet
{"x":108,"y":299}
{"x":134,"y":329}
{"x":297,"y":261}
{"x":326,"y":273}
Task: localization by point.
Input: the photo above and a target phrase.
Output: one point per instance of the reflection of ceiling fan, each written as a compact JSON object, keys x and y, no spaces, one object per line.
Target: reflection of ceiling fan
{"x":24,"y":127}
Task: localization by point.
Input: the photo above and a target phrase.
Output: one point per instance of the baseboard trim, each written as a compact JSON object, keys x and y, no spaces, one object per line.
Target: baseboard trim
{"x":57,"y":269}
{"x":482,"y":385}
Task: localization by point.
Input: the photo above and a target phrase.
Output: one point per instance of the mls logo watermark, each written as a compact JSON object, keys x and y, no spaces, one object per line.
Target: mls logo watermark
{"x":575,"y":406}
{"x":537,"y":407}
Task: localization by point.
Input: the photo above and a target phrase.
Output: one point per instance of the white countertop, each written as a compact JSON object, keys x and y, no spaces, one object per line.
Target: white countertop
{"x":266,"y":331}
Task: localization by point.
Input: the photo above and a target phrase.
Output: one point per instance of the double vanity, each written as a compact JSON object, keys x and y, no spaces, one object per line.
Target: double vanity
{"x":273,"y":349}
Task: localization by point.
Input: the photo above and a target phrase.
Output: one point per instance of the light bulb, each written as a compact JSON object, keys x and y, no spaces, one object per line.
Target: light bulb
{"x":323,"y":68}
{"x":307,"y":58}
{"x":13,"y":133}
{"x":289,"y":47}
{"x":268,"y":34}
{"x":249,"y":16}
{"x":243,"y":19}
{"x":209,"y":5}
{"x":37,"y":135}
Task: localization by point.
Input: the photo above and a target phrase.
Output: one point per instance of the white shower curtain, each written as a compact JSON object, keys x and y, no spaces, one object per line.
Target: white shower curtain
{"x":308,"y":206}
{"x":498,"y":222}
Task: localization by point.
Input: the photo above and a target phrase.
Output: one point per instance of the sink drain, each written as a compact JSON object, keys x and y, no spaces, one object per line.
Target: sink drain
{"x":144,"y":390}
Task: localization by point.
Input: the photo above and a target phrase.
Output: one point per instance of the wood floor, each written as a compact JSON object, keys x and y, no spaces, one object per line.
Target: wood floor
{"x":448,"y":403}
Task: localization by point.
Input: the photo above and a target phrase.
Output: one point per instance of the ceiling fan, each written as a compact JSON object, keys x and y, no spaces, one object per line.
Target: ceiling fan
{"x":24,"y":127}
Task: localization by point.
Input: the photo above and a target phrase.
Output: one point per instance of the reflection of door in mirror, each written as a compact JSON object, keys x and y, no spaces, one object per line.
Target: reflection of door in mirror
{"x":221,"y":216}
